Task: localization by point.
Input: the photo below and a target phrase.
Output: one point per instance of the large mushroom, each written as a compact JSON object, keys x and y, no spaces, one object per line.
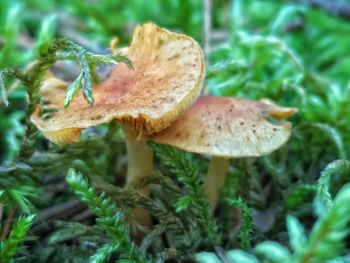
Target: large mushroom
{"x":226,"y":128}
{"x":168,"y":77}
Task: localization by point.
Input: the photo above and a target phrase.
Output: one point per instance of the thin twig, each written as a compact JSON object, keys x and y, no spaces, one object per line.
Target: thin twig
{"x":207,"y":26}
{"x":58,"y":210}
{"x":1,"y":211}
{"x":83,"y":41}
{"x":9,"y":222}
{"x":338,"y":9}
{"x":61,"y":211}
{"x":207,"y":33}
{"x":86,"y":214}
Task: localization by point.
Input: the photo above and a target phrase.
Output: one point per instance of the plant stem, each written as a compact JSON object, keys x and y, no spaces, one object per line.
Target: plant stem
{"x":207,"y":27}
{"x":1,"y":211}
{"x":215,"y":179}
{"x":207,"y":4}
{"x":9,"y":222}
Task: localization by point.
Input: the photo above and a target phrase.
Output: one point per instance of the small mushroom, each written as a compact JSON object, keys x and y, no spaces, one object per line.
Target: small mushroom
{"x":168,"y":78}
{"x":227,"y":128}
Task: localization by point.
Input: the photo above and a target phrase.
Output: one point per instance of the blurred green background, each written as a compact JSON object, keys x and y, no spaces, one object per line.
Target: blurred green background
{"x":293,"y":52}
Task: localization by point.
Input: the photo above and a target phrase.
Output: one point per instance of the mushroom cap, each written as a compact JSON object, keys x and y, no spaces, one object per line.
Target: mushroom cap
{"x":228,"y":127}
{"x":168,"y":77}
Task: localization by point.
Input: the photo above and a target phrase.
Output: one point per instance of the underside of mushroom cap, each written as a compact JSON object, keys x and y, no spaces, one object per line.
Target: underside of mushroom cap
{"x":228,"y":127}
{"x":168,"y":77}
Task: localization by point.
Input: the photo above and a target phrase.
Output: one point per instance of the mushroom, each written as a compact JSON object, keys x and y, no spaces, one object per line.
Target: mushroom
{"x":168,"y":78}
{"x":227,"y":128}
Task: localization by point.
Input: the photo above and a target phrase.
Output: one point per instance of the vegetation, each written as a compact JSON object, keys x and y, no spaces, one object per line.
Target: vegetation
{"x":68,"y":204}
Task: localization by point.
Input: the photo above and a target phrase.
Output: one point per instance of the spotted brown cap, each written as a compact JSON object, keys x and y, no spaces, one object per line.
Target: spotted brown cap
{"x":168,"y":77}
{"x":228,"y":127}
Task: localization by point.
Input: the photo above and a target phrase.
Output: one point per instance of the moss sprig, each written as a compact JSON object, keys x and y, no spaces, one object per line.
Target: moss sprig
{"x":9,"y":72}
{"x":247,"y":221}
{"x":168,"y":221}
{"x":180,"y":164}
{"x":109,"y":217}
{"x":9,"y":246}
{"x":324,"y":200}
{"x":326,"y":239}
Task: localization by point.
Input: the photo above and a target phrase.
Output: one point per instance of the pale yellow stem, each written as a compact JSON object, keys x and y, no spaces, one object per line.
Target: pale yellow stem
{"x":140,"y":165}
{"x":215,"y":179}
{"x":140,"y":159}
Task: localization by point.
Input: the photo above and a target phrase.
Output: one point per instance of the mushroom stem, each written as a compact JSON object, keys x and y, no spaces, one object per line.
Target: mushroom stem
{"x":140,"y":165}
{"x":215,"y":179}
{"x":140,"y":159}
